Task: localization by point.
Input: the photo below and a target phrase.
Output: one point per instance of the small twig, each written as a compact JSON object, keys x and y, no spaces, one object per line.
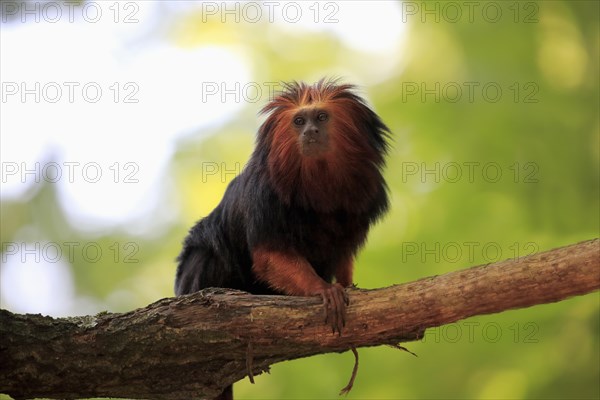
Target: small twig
{"x":348,"y":387}
{"x":397,"y":346}
{"x":249,"y":361}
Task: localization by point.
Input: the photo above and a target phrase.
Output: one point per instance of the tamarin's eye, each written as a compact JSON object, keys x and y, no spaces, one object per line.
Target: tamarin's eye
{"x":299,"y":121}
{"x":322,"y":117}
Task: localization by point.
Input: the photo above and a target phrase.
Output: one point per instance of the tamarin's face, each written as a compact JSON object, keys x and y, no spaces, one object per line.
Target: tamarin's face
{"x":311,"y":125}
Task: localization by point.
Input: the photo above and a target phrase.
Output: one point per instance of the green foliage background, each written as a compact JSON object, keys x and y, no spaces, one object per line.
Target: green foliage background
{"x":545,"y":142}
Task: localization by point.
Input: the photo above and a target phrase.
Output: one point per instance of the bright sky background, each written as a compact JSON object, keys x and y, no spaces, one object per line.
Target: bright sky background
{"x":100,"y":144}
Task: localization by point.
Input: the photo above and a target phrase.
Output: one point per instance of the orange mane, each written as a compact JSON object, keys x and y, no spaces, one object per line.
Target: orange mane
{"x":348,"y":176}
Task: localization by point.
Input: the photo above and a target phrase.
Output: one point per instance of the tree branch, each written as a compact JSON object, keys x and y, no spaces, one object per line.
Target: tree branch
{"x":192,"y":346}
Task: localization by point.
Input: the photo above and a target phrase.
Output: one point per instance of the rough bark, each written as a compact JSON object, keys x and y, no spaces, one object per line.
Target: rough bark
{"x":192,"y":346}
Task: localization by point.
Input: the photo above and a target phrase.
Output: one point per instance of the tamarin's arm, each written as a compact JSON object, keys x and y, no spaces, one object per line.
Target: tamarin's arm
{"x":293,"y":275}
{"x":343,"y":272}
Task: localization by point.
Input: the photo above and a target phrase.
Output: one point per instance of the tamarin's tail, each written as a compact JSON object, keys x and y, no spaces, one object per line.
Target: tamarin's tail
{"x":227,"y":394}
{"x":199,"y":268}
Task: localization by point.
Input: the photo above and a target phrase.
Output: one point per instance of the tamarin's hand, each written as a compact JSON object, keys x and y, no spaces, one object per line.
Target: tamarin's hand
{"x":335,"y":300}
{"x":292,"y":222}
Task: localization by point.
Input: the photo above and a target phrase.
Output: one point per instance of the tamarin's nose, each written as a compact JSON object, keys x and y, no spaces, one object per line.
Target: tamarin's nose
{"x":311,"y":132}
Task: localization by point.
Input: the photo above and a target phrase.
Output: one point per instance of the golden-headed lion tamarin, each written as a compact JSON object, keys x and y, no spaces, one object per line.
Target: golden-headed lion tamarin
{"x":292,"y":222}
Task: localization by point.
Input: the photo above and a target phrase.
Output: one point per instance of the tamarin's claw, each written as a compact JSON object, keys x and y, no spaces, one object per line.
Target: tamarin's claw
{"x":335,"y":301}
